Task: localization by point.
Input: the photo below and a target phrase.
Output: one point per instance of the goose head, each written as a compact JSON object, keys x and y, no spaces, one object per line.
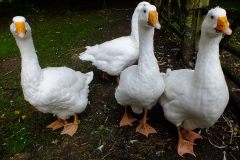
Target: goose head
{"x":216,"y":23}
{"x":20,"y":28}
{"x":148,"y":16}
{"x":141,"y":4}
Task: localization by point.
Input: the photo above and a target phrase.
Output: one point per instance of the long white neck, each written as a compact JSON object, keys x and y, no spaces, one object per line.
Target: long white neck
{"x":208,"y":63}
{"x":134,"y":26}
{"x":31,"y":71}
{"x":147,"y":62}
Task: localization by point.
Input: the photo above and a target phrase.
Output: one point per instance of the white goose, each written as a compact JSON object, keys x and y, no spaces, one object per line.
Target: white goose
{"x":141,"y":85}
{"x":115,"y":55}
{"x":58,"y":90}
{"x":197,"y":98}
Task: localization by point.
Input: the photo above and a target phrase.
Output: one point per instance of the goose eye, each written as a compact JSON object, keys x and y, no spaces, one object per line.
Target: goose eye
{"x":144,"y":11}
{"x":212,"y":17}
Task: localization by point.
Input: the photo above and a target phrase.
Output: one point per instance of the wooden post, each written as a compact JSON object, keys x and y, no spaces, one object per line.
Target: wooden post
{"x":187,"y":47}
{"x":192,"y":28}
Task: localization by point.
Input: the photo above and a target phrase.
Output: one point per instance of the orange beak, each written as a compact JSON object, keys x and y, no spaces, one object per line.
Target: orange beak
{"x":153,"y":19}
{"x":20,"y":29}
{"x":223,"y":26}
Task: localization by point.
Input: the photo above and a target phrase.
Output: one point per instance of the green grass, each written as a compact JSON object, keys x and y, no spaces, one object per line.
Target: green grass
{"x":7,"y":46}
{"x":55,"y":38}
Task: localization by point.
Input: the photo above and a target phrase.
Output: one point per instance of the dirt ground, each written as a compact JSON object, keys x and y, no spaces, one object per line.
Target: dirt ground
{"x":99,"y":135}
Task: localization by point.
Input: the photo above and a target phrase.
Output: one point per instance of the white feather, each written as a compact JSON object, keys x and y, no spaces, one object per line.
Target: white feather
{"x":141,"y":85}
{"x":197,"y":98}
{"x":115,"y":55}
{"x":58,"y":90}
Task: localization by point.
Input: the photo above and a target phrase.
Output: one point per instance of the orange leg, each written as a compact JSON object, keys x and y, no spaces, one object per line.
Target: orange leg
{"x":71,"y":128}
{"x":190,"y":135}
{"x":59,"y":123}
{"x":145,"y":128}
{"x":184,"y":146}
{"x":126,"y":120}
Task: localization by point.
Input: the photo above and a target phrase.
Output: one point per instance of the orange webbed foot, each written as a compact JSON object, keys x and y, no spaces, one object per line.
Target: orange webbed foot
{"x":56,"y":124}
{"x":190,"y":135}
{"x":145,"y":129}
{"x":184,"y":147}
{"x":126,"y":120}
{"x":71,"y":128}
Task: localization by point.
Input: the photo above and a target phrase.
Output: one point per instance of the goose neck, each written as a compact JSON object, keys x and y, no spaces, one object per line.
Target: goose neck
{"x":208,"y":64}
{"x":134,"y":26}
{"x":31,"y":69}
{"x":147,"y":61}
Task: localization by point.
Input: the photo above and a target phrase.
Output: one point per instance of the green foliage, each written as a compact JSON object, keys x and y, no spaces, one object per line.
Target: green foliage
{"x":48,"y":33}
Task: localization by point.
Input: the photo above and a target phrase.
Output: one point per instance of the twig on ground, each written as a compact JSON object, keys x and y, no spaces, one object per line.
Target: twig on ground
{"x":7,"y":73}
{"x":231,"y":127}
{"x":216,"y":146}
{"x":100,"y":148}
{"x":235,"y":89}
{"x":224,"y":155}
{"x":133,"y":141}
{"x":233,"y":156}
{"x":110,"y":151}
